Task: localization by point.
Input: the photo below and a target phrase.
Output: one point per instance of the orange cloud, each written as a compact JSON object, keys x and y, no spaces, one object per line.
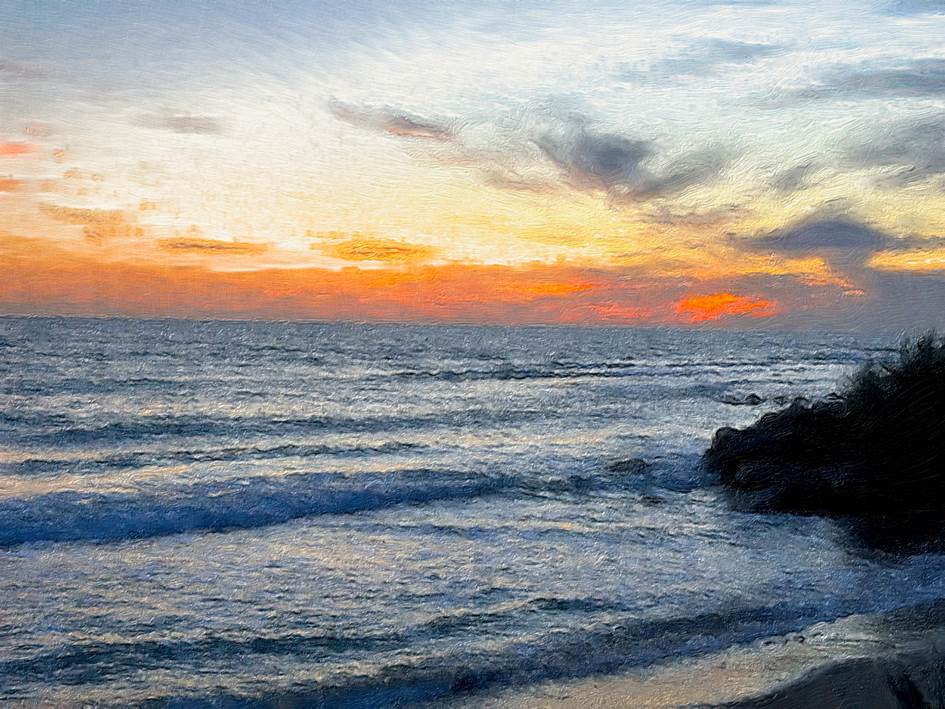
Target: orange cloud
{"x":97,"y":224}
{"x":10,"y":149}
{"x":360,"y":248}
{"x":44,"y":278}
{"x":194,"y":245}
{"x":619,"y":312}
{"x":51,"y":280}
{"x":8,"y":184}
{"x":702,"y":308}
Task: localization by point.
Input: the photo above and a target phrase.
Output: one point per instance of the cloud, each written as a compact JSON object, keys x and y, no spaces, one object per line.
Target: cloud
{"x":850,"y":248}
{"x":696,"y":218}
{"x":917,"y":7}
{"x":599,"y":160}
{"x":12,"y":149}
{"x":793,"y":179}
{"x":97,"y":225}
{"x":392,"y":122}
{"x":822,"y":233}
{"x":916,"y":147}
{"x":704,"y":308}
{"x":587,"y":159}
{"x":184,"y":123}
{"x":704,"y":57}
{"x":918,"y":78}
{"x":211,"y":246}
{"x":594,"y":160}
{"x":366,"y":248}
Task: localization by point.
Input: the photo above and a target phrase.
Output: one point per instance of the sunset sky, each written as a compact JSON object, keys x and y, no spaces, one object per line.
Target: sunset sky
{"x":715,"y":163}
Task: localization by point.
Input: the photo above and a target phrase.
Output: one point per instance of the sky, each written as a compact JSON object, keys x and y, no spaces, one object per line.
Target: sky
{"x":716,"y":163}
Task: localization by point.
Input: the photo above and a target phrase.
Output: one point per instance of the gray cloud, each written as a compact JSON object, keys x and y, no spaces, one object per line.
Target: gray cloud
{"x":793,"y":179}
{"x":598,"y":160}
{"x":822,"y":233}
{"x":917,"y":7}
{"x":914,"y":79}
{"x":713,"y":217}
{"x":916,"y":147}
{"x":702,"y":58}
{"x":587,"y":159}
{"x":619,"y":165}
{"x":874,"y":299}
{"x":843,"y":241}
{"x":391,"y":121}
{"x":707,"y":55}
{"x":186,"y":123}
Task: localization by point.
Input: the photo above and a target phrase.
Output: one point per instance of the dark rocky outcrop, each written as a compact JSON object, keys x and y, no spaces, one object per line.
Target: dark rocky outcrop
{"x":750,"y":400}
{"x":873,"y":454}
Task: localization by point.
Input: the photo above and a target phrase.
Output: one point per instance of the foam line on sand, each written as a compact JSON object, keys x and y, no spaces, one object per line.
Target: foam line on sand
{"x":894,"y":659}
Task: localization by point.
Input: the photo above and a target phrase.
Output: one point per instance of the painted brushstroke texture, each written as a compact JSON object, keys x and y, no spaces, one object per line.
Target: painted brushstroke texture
{"x":485,"y":161}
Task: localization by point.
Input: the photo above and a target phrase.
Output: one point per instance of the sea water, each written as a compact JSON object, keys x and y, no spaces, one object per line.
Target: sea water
{"x":355,"y":515}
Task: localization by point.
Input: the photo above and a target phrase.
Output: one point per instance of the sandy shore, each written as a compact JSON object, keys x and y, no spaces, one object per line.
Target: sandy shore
{"x":895,"y":659}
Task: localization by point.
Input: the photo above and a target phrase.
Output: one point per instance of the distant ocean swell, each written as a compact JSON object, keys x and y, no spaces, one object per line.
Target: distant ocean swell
{"x":139,"y":458}
{"x":38,"y":428}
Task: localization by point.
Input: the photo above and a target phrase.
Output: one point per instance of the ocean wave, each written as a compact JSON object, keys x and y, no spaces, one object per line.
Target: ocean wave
{"x":109,"y":658}
{"x":223,"y":505}
{"x":58,"y":429}
{"x":601,"y":645}
{"x":242,"y":503}
{"x":137,"y":459}
{"x":558,"y":371}
{"x":600,"y":370}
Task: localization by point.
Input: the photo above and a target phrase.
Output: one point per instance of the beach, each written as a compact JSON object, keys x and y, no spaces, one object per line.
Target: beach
{"x":894,"y":659}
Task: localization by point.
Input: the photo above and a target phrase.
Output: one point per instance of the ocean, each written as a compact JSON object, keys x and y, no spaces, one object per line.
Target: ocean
{"x":244,"y":513}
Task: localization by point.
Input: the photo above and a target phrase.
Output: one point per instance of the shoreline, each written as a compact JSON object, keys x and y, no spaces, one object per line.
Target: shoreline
{"x":888,"y":659}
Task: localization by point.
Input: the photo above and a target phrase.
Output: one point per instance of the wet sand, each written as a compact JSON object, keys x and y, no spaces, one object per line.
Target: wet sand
{"x":895,"y":659}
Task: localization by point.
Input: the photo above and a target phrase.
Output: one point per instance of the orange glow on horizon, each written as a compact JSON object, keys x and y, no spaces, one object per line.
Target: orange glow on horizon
{"x":54,"y":281}
{"x":703,"y":308}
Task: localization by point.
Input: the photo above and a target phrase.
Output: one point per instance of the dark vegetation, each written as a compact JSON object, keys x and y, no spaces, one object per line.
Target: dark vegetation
{"x":874,"y":454}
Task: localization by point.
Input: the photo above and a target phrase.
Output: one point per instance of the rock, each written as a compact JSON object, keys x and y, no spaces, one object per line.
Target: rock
{"x":873,"y":454}
{"x":750,"y":400}
{"x":786,"y":400}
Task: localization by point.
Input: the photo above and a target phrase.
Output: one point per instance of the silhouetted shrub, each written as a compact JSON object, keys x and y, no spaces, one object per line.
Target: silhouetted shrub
{"x":874,"y":454}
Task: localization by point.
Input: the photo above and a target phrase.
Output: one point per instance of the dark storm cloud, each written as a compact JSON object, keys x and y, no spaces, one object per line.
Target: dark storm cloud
{"x":918,"y":78}
{"x":916,"y":147}
{"x":619,"y":165}
{"x":391,"y":121}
